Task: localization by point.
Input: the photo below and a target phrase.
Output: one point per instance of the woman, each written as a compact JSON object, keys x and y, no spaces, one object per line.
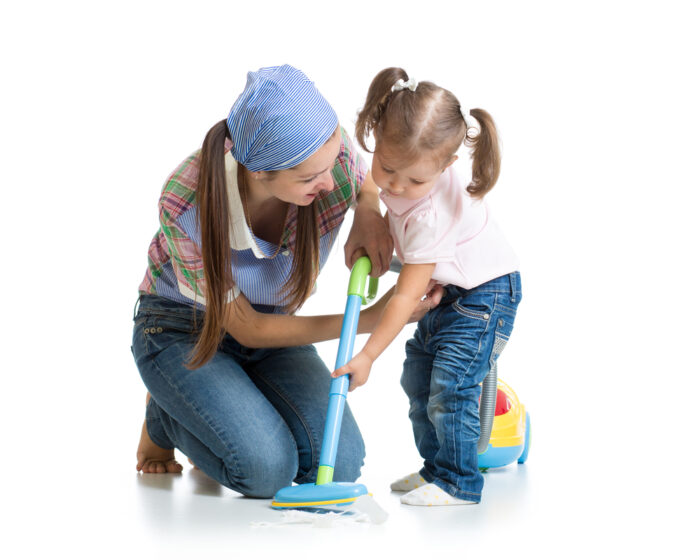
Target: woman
{"x":246,"y":224}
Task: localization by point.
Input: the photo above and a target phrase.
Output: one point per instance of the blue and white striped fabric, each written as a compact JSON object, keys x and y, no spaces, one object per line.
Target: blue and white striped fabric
{"x":266,"y":296}
{"x":279,"y":120}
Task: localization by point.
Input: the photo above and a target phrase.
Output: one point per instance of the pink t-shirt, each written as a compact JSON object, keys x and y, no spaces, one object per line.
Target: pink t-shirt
{"x":450,"y":228}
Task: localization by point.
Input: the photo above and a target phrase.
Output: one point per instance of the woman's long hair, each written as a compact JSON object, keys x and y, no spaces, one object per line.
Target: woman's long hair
{"x":215,"y":221}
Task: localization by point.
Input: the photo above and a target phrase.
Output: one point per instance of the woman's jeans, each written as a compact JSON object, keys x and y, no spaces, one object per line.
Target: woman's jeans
{"x":446,"y":360}
{"x":252,"y":419}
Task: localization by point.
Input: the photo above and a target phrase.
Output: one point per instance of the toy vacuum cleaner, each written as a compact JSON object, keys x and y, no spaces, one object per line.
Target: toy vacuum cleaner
{"x":510,"y":429}
{"x":505,"y":425}
{"x":325,"y":492}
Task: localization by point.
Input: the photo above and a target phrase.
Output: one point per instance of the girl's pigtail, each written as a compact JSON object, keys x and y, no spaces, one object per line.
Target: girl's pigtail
{"x":486,"y":155}
{"x":378,"y":97}
{"x":213,"y":215}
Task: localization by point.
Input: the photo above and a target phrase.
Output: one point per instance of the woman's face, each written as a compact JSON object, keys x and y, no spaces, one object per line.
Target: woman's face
{"x":301,"y":184}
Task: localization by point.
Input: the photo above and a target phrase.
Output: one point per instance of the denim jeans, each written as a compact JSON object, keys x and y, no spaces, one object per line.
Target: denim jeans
{"x":446,"y":360}
{"x":252,"y":419}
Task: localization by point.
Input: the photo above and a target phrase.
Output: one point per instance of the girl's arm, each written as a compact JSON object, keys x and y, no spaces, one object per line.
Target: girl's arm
{"x":411,"y":287}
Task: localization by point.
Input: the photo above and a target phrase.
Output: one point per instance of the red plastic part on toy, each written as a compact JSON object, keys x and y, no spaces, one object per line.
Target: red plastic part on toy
{"x":503,"y":403}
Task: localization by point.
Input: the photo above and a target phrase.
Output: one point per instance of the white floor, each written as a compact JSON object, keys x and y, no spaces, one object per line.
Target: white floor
{"x":97,"y":508}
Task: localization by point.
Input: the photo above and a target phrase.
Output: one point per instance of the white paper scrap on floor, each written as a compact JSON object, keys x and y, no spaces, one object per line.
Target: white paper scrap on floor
{"x":363,"y":510}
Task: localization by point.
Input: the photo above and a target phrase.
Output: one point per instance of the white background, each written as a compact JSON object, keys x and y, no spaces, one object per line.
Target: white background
{"x":597,"y":107}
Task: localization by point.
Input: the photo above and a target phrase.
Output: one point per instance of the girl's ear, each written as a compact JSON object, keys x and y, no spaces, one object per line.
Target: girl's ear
{"x":454,"y":158}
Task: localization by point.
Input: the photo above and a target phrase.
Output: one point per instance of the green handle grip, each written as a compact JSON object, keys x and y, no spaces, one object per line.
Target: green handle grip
{"x":358,"y":279}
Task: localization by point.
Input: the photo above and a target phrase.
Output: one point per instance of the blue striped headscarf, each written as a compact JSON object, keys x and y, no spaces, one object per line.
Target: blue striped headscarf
{"x":279,"y":120}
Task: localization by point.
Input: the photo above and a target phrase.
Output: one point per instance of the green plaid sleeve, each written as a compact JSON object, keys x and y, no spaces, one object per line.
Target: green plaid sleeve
{"x":348,"y":173}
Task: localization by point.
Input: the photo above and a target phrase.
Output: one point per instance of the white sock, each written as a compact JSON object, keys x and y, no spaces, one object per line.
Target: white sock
{"x":410,"y":482}
{"x":431,"y":495}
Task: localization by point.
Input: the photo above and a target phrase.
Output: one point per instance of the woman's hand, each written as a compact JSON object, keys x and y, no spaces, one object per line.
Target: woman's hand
{"x":433,"y":294}
{"x":431,"y":300}
{"x":358,"y":368}
{"x":369,"y":234}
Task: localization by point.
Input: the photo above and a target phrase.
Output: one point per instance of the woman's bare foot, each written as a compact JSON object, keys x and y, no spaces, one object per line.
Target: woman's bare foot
{"x":153,"y":459}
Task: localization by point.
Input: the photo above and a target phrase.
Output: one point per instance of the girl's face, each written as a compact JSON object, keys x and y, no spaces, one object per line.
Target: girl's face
{"x":301,"y":184}
{"x":411,"y":181}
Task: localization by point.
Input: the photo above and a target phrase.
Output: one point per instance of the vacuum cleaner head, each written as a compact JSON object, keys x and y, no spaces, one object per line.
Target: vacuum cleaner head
{"x":311,"y":495}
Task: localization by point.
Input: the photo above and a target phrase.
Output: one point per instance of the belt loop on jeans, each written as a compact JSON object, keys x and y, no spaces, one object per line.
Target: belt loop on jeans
{"x":136,"y":306}
{"x":512,"y":286}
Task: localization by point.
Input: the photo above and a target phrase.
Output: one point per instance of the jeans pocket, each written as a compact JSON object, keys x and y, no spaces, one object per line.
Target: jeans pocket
{"x":159,"y":331}
{"x":476,"y":306}
{"x":464,"y":326}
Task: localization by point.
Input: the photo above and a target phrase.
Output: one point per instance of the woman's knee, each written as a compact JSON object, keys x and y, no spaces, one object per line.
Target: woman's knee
{"x":262,"y":472}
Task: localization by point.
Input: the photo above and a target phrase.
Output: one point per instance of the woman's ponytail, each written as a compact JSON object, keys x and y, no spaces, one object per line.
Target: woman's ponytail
{"x":306,"y":261}
{"x":214,"y":223}
{"x":486,"y":155}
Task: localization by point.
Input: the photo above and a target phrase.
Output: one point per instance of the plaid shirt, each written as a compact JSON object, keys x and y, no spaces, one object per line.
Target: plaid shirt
{"x":175,"y":267}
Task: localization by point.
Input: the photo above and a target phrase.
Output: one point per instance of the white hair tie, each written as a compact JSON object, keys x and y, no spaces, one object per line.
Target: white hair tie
{"x":473,"y":126}
{"x":411,"y":84}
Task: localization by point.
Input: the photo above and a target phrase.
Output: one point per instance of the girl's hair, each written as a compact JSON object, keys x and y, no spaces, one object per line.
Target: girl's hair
{"x":214,"y":222}
{"x":430,"y":120}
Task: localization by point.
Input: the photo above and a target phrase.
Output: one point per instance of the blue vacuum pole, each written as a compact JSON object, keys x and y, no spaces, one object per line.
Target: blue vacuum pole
{"x":339,"y":391}
{"x":325,"y":491}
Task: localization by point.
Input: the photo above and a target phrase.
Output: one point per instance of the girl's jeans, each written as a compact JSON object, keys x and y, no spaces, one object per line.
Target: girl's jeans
{"x":252,"y":419}
{"x":446,"y":360}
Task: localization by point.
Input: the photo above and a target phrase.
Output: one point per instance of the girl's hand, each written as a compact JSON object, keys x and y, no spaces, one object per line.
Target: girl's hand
{"x":358,"y":368}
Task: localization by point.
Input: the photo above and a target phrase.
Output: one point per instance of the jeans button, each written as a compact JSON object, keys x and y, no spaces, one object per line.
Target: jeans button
{"x":486,"y":315}
{"x":159,"y":329}
{"x":152,"y":330}
{"x":500,"y":322}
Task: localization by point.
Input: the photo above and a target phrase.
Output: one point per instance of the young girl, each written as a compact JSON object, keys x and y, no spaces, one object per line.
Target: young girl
{"x":443,"y":233}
